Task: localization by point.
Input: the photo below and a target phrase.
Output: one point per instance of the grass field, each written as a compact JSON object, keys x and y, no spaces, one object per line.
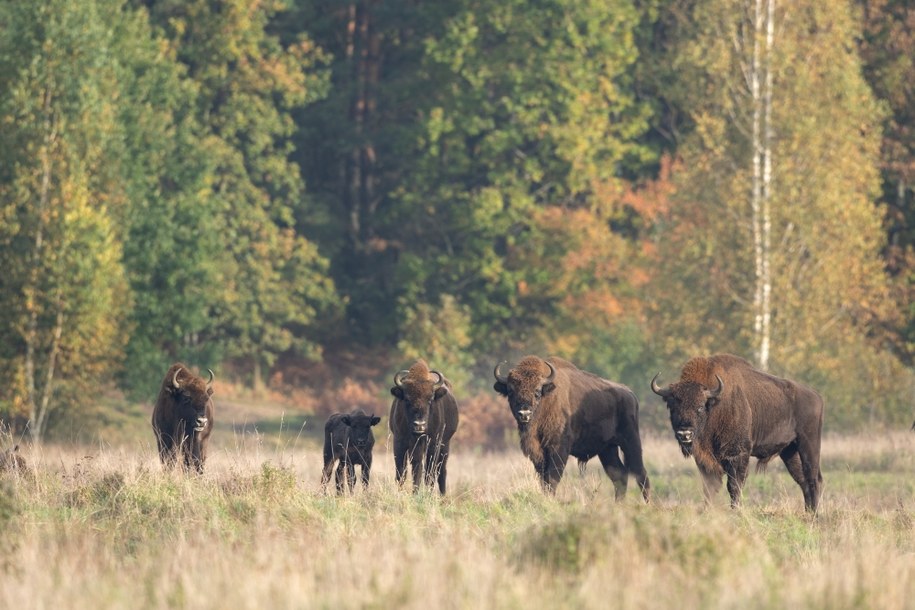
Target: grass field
{"x":106,"y":528}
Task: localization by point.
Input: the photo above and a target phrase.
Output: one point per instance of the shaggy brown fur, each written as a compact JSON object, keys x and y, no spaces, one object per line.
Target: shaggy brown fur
{"x":576,"y":413}
{"x":349,"y":439}
{"x":752,"y":414}
{"x":424,"y":417}
{"x":182,"y":418}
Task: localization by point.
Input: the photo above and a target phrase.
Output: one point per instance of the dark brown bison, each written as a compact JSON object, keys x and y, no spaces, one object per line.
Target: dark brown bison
{"x":723,"y":411}
{"x":563,"y":411}
{"x":348,"y":438}
{"x":183,"y":417}
{"x":424,"y":417}
{"x":12,"y":461}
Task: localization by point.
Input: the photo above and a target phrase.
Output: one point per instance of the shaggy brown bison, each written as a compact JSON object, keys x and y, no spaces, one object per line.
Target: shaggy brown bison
{"x":348,"y":438}
{"x":723,"y":410}
{"x":12,"y":461}
{"x":424,"y":417}
{"x":563,"y":411}
{"x":183,"y":417}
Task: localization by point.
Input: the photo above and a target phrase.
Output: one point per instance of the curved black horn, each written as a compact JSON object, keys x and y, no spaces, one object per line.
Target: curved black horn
{"x":212,"y":377}
{"x":714,"y":393}
{"x":175,"y":379}
{"x":441,"y":379}
{"x":495,"y":373}
{"x":658,"y":389}
{"x":552,"y":373}
{"x":399,"y":377}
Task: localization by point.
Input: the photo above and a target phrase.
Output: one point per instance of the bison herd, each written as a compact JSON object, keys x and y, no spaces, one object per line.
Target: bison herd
{"x":723,"y":411}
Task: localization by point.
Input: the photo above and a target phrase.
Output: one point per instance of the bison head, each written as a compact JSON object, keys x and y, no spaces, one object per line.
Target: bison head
{"x":418,"y":388}
{"x":689,"y":403}
{"x":525,"y":386}
{"x":360,"y":426}
{"x":192,"y":394}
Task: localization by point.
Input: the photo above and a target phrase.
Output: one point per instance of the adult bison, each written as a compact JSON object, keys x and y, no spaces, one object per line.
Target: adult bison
{"x":723,"y":411}
{"x":424,"y":417}
{"x":563,"y":411}
{"x":348,"y":438}
{"x":183,"y":417}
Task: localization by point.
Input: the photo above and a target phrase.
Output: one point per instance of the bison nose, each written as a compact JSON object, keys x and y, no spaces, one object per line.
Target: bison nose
{"x":201,"y":424}
{"x":524,"y":416}
{"x":419,"y":427}
{"x":685,"y":436}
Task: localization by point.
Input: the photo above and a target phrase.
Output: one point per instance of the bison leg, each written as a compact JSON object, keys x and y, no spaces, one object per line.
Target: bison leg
{"x":418,"y":461}
{"x":711,"y":481}
{"x":400,"y":462}
{"x":442,"y":468}
{"x":810,"y":461}
{"x":327,"y":470}
{"x":350,"y":475}
{"x":554,"y":463}
{"x":366,"y":471}
{"x":613,"y":466}
{"x":632,"y":456}
{"x":166,"y":449}
{"x":340,"y":476}
{"x":736,"y":468}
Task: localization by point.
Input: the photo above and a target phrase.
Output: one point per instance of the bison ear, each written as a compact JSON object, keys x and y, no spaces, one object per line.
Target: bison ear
{"x":209,"y":391}
{"x":547,"y":388}
{"x":441,"y":392}
{"x":346,"y":420}
{"x":501,"y":388}
{"x":397,"y":392}
{"x":375,"y":420}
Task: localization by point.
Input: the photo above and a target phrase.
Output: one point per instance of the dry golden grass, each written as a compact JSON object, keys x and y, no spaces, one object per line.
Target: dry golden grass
{"x":106,"y":528}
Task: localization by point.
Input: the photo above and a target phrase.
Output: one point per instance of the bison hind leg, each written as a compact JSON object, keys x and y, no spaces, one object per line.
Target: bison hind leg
{"x":613,"y":466}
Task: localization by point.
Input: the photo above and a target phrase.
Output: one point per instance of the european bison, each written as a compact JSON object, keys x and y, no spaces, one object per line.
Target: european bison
{"x":183,"y":417}
{"x":348,"y":438}
{"x":563,"y":411}
{"x":424,"y":417}
{"x":723,"y":410}
{"x":12,"y":461}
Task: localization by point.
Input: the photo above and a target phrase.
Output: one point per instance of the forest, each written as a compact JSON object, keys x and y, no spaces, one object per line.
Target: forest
{"x":308,"y":195}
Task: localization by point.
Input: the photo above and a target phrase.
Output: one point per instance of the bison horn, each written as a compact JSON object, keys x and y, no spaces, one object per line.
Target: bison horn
{"x":399,"y":377}
{"x":212,"y":377}
{"x":441,"y":379}
{"x":175,"y":379}
{"x":658,"y":389}
{"x":552,"y":373}
{"x":499,"y":377}
{"x":714,"y":393}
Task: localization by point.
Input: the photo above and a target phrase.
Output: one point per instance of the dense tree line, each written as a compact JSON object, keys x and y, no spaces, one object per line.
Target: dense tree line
{"x":625,"y":183}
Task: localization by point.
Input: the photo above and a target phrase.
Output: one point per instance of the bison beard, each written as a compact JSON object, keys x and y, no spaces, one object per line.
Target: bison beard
{"x":563,"y":411}
{"x":723,"y":411}
{"x":182,"y":418}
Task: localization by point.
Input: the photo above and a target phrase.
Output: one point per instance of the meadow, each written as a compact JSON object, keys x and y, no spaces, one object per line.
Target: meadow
{"x":104,"y":527}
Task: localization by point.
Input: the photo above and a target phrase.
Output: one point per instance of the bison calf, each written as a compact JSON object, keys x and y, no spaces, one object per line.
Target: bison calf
{"x":724,"y":411}
{"x":349,"y":439}
{"x":183,"y":417}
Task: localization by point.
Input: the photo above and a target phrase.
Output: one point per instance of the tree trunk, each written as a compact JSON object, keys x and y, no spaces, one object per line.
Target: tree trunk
{"x":761,"y":93}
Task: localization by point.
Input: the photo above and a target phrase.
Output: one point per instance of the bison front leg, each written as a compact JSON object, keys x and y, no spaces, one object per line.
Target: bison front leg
{"x":400,"y":463}
{"x":327,"y":470}
{"x":711,"y":481}
{"x":350,"y":475}
{"x":366,"y":472}
{"x":418,"y":462}
{"x":554,"y":463}
{"x":442,"y":468}
{"x":340,"y":476}
{"x":736,"y":469}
